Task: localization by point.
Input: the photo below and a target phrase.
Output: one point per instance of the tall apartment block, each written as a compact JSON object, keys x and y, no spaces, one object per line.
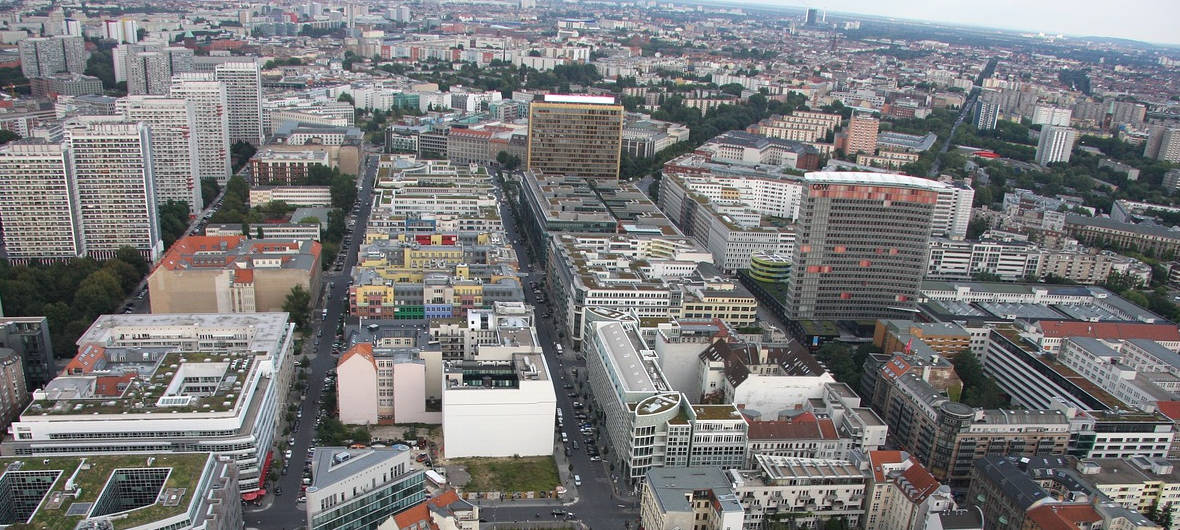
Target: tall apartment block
{"x":1046,"y":115}
{"x":210,"y":120}
{"x":113,"y":169}
{"x":862,"y":134}
{"x":171,"y":122}
{"x":243,"y":92}
{"x":986,"y":115}
{"x":579,"y":136}
{"x":1056,"y":144}
{"x":1163,"y":143}
{"x":38,"y":202}
{"x":148,"y":73}
{"x":861,"y":246}
{"x":177,"y":59}
{"x":40,"y":57}
{"x":29,"y":337}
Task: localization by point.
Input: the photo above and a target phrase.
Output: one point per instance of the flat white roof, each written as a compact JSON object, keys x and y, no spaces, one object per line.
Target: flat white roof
{"x":878,"y":179}
{"x":565,"y":98}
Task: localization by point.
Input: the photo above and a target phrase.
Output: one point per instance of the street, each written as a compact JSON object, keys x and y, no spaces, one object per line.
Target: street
{"x":282,"y":511}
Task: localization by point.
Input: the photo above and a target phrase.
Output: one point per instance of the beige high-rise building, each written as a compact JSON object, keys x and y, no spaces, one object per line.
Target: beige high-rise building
{"x":173,"y":144}
{"x":38,"y":204}
{"x":862,"y":134}
{"x":1163,"y":143}
{"x":243,"y":92}
{"x":211,"y":121}
{"x":580,"y":136}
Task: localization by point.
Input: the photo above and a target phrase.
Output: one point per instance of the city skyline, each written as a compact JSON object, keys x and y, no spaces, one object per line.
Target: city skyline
{"x":1050,"y":18}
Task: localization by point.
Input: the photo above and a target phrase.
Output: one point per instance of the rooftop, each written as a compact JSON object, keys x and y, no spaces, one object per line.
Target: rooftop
{"x":334,"y":464}
{"x":872,"y":179}
{"x":676,"y":488}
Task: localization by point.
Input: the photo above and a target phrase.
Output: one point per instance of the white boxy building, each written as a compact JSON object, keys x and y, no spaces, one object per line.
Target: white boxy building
{"x":498,"y":407}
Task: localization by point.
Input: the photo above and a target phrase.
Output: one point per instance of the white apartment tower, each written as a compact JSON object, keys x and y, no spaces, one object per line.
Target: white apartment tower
{"x":37,"y":204}
{"x":1056,"y":144}
{"x":243,"y":91}
{"x":112,"y":166}
{"x":211,"y":120}
{"x":172,"y":124}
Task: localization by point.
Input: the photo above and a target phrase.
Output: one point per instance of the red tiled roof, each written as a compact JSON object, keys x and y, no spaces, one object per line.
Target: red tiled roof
{"x":1170,"y":409}
{"x":89,"y":355}
{"x":1062,"y":516}
{"x":108,"y":385}
{"x":803,"y":427}
{"x":418,"y":516}
{"x":189,"y":245}
{"x":363,"y":349}
{"x":243,"y":275}
{"x":1110,"y":330}
{"x":879,"y":458}
{"x":919,"y":481}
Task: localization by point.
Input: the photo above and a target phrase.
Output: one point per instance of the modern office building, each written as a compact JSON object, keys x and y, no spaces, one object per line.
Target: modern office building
{"x":150,"y":385}
{"x":40,"y":57}
{"x":985,"y":115}
{"x":648,"y":424}
{"x":361,"y":488}
{"x":233,"y":274}
{"x":243,"y":92}
{"x":148,"y":72}
{"x":29,"y":337}
{"x":579,"y":136}
{"x":114,"y":171}
{"x":38,"y":202}
{"x":862,"y":134}
{"x":861,"y":246}
{"x":172,"y":122}
{"x":1055,"y":144}
{"x":498,"y":407}
{"x":182,"y":491}
{"x":210,"y":121}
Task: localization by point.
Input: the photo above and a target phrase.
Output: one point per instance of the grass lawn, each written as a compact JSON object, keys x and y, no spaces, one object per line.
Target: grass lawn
{"x":533,"y":473}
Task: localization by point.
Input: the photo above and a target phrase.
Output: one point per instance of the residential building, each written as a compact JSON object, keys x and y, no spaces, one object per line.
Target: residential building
{"x":388,"y":385}
{"x":1138,"y":483}
{"x":38,"y":202}
{"x":740,"y":147}
{"x":862,"y":245}
{"x":14,"y":394}
{"x":233,"y":274}
{"x":985,"y":115}
{"x":271,"y":167}
{"x":947,"y":339}
{"x":291,"y":195}
{"x":183,"y":490}
{"x":690,"y":497}
{"x":817,"y":489}
{"x":802,"y":126}
{"x":1163,"y":143}
{"x":172,"y":124}
{"x":130,"y":390}
{"x":1142,"y":237}
{"x":862,"y":134}
{"x":900,"y":492}
{"x":1053,"y":116}
{"x":210,"y":122}
{"x":64,"y":84}
{"x":40,"y":57}
{"x":801,"y":436}
{"x":112,"y":165}
{"x":498,"y":407}
{"x":1055,"y":144}
{"x":243,"y":95}
{"x":1004,"y":492}
{"x":29,"y":338}
{"x":579,"y":136}
{"x":361,"y":488}
{"x":148,"y":72}
{"x":644,"y":137}
{"x":442,"y":511}
{"x":763,"y":378}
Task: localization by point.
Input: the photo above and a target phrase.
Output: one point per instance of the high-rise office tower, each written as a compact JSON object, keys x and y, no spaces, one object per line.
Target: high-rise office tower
{"x":148,"y":73}
{"x":862,"y":134}
{"x":38,"y":206}
{"x":243,"y":92}
{"x":1055,"y":144}
{"x":812,"y":17}
{"x":40,"y":57}
{"x":580,"y":136}
{"x":986,"y":115}
{"x":1163,"y":143}
{"x":112,"y":166}
{"x":211,"y":122}
{"x":174,"y":145}
{"x":861,"y":245}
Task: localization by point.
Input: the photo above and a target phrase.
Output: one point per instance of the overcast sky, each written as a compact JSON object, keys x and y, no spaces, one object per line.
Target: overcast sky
{"x":1144,"y":20}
